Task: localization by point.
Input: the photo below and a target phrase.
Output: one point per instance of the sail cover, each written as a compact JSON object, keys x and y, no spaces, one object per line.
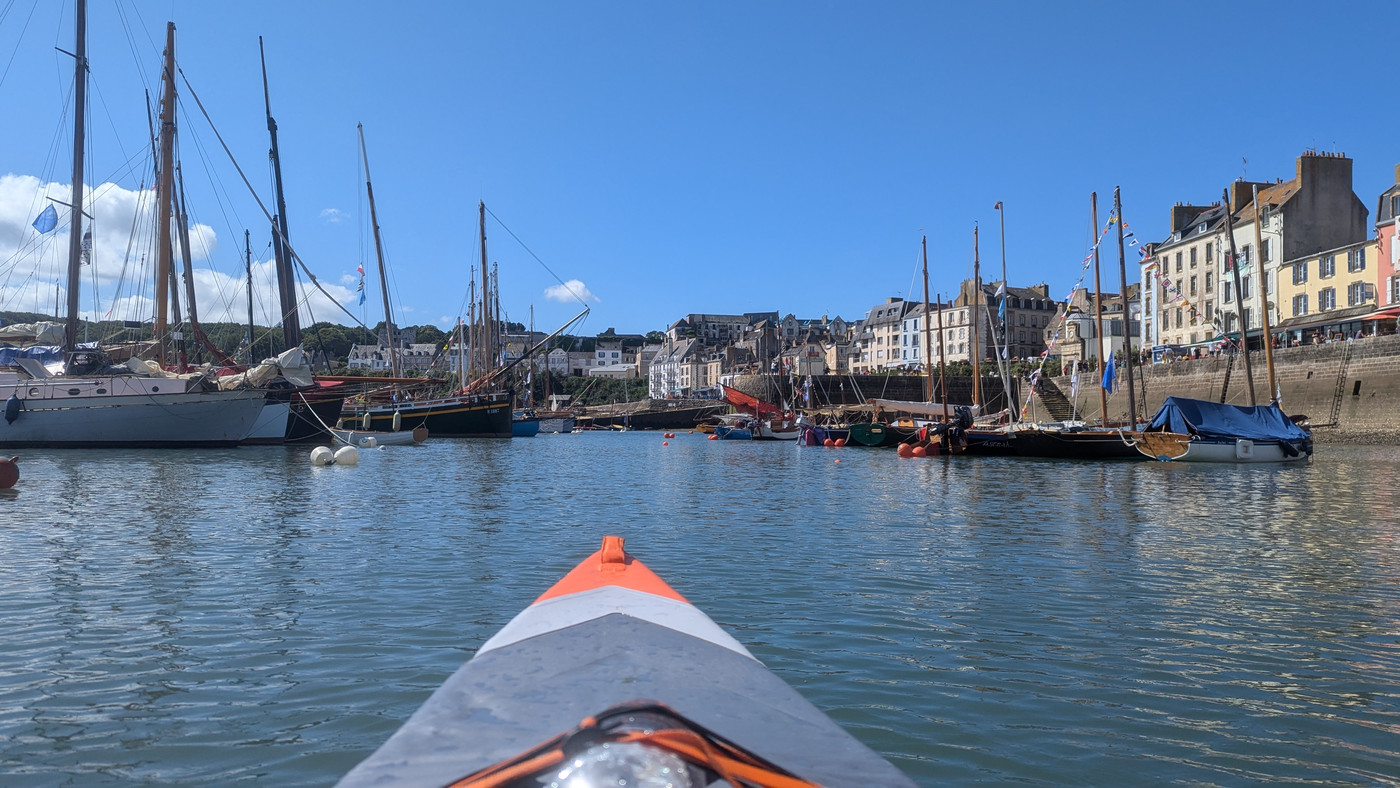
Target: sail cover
{"x":1220,"y":420}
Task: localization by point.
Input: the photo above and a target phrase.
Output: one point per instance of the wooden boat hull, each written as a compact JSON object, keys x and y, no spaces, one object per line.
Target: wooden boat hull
{"x":466,"y":416}
{"x":1075,"y":445}
{"x":873,"y":434}
{"x":312,"y":412}
{"x":988,"y":443}
{"x":610,"y":633}
{"x":1174,"y":447}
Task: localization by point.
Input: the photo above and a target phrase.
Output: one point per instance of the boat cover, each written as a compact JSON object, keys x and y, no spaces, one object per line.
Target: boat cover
{"x":1221,"y":420}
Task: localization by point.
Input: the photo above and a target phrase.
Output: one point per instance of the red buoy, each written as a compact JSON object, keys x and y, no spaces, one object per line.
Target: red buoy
{"x":840,"y":442}
{"x":919,"y":451}
{"x":713,"y":437}
{"x":828,"y":443}
{"x":9,"y":473}
{"x":904,"y":450}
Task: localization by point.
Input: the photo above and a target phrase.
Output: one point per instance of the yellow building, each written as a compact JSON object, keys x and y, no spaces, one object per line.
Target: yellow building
{"x":1326,"y":294}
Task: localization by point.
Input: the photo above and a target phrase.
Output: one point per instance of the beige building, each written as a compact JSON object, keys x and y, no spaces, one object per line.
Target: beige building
{"x":1327,"y":293}
{"x":1182,"y":275}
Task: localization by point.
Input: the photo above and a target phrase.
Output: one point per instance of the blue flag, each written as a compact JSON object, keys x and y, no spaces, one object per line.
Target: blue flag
{"x":362,"y":297}
{"x":47,"y":220}
{"x":1110,"y":374}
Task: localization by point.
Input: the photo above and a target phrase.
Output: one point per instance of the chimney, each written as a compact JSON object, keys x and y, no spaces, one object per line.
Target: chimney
{"x":1397,"y":173}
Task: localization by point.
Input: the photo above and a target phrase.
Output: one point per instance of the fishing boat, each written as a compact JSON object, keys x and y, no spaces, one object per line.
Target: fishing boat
{"x":611,"y":677}
{"x":768,"y":422}
{"x":1193,"y":430}
{"x":524,"y":423}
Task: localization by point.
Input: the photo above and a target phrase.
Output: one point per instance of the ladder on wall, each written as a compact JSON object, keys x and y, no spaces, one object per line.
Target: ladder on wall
{"x":1335,"y":420}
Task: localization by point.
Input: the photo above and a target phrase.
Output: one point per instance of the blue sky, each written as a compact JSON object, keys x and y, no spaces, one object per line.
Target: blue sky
{"x":688,"y":157}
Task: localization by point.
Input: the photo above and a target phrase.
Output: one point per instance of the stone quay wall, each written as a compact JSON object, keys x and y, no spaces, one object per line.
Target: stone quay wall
{"x":1357,"y":382}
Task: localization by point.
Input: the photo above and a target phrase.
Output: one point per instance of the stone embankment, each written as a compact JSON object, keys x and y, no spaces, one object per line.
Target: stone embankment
{"x":1350,"y":390}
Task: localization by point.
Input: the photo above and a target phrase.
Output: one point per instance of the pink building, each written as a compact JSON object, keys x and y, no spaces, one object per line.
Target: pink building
{"x":1388,"y":262}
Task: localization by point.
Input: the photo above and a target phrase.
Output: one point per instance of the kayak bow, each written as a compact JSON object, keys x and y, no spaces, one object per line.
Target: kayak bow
{"x":612,"y":654}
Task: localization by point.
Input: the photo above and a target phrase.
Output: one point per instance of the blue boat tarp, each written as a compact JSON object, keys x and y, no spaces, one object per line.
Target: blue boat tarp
{"x":1220,"y":420}
{"x":43,"y":353}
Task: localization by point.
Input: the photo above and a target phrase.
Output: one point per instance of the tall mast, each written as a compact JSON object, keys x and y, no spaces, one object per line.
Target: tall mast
{"x":394,"y":361}
{"x":928,"y":336}
{"x":487,"y":345}
{"x":976,"y":317}
{"x":286,"y":277}
{"x":1239,"y":295}
{"x":183,"y":228}
{"x":1264,"y":301}
{"x":1127,"y":335}
{"x":248,"y":262}
{"x":942,"y":370}
{"x":1098,"y":314}
{"x":164,"y":189}
{"x":1003,"y":357}
{"x":75,"y":233}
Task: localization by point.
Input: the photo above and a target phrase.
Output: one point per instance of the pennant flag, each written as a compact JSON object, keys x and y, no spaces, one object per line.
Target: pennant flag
{"x":87,"y":247}
{"x":1110,"y":375}
{"x":997,"y":207}
{"x":362,"y":296}
{"x":361,"y":269}
{"x":47,"y":220}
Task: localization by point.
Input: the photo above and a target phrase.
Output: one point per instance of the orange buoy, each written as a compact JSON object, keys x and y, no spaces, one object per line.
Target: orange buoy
{"x":828,"y":443}
{"x":9,"y":473}
{"x":919,"y":451}
{"x":713,"y":437}
{"x":840,"y":442}
{"x":904,"y":450}
{"x":838,"y":460}
{"x":665,"y":443}
{"x":692,"y":432}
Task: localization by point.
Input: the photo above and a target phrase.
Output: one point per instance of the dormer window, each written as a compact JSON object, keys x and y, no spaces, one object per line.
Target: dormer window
{"x":1201,"y":228}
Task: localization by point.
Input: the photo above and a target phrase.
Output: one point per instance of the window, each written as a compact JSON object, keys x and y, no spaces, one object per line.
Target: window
{"x":1327,"y":299}
{"x":1200,"y":228}
{"x":1246,"y":255}
{"x":1300,"y":304}
{"x":1178,"y":317}
{"x":1395,"y":289}
{"x":1210,"y":252}
{"x":1248,"y":317}
{"x":1358,"y":293}
{"x":1210,"y":282}
{"x":1245,"y":290}
{"x":1264,"y":245}
{"x":1300,"y":273}
{"x":1356,"y":260}
{"x":1193,"y":257}
{"x":1193,"y":286}
{"x":1178,"y":262}
{"x":1229,"y":286}
{"x":1210,"y":311}
{"x":1327,"y":266}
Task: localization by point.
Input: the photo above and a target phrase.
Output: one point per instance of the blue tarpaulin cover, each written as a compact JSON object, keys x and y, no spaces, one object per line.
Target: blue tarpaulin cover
{"x":44,"y":353}
{"x":1219,"y":420}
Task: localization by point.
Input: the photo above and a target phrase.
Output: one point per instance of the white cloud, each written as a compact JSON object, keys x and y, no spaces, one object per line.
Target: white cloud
{"x":33,"y":267}
{"x":333,"y":215}
{"x":571,"y":290}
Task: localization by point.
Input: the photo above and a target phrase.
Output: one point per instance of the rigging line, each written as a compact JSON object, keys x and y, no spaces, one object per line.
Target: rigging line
{"x":537,"y":257}
{"x":18,"y":40}
{"x":101,"y":99}
{"x":131,"y":46}
{"x":286,"y":243}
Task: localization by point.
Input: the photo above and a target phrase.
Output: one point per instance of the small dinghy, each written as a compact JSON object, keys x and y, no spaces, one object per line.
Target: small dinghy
{"x":613,"y":678}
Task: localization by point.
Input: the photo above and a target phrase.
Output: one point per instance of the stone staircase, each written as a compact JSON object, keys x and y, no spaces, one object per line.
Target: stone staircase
{"x":1054,"y":400}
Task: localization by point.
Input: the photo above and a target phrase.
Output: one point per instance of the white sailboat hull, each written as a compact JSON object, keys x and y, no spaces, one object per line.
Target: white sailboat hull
{"x":121,"y":411}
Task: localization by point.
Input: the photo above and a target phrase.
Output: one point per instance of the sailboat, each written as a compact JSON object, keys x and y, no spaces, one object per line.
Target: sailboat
{"x":94,"y":403}
{"x":1077,"y":441}
{"x":476,"y":410}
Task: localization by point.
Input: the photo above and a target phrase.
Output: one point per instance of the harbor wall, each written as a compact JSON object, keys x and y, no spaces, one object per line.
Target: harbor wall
{"x":836,"y":390}
{"x":1356,"y":382}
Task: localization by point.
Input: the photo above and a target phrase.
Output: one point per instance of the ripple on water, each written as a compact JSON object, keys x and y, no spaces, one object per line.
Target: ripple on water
{"x":221,"y":616}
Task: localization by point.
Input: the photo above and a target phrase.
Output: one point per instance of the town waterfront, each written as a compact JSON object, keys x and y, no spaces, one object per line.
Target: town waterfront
{"x":224,"y":616}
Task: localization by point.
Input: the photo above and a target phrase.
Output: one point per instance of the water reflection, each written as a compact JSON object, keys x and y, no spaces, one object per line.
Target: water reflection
{"x":175,"y":617}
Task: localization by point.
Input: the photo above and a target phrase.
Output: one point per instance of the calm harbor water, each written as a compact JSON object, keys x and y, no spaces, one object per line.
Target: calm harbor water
{"x":179,"y":617}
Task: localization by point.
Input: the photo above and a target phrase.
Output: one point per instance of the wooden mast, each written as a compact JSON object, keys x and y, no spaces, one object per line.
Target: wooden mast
{"x":248,"y":263}
{"x":1098,"y":314}
{"x":163,"y":193}
{"x":75,"y":232}
{"x":928,"y":335}
{"x":395,"y":364}
{"x":487,"y":343}
{"x":976,"y":317}
{"x":1127,"y":337}
{"x":942,"y":370}
{"x":1239,"y":295}
{"x":286,"y":277}
{"x":1264,"y":301}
